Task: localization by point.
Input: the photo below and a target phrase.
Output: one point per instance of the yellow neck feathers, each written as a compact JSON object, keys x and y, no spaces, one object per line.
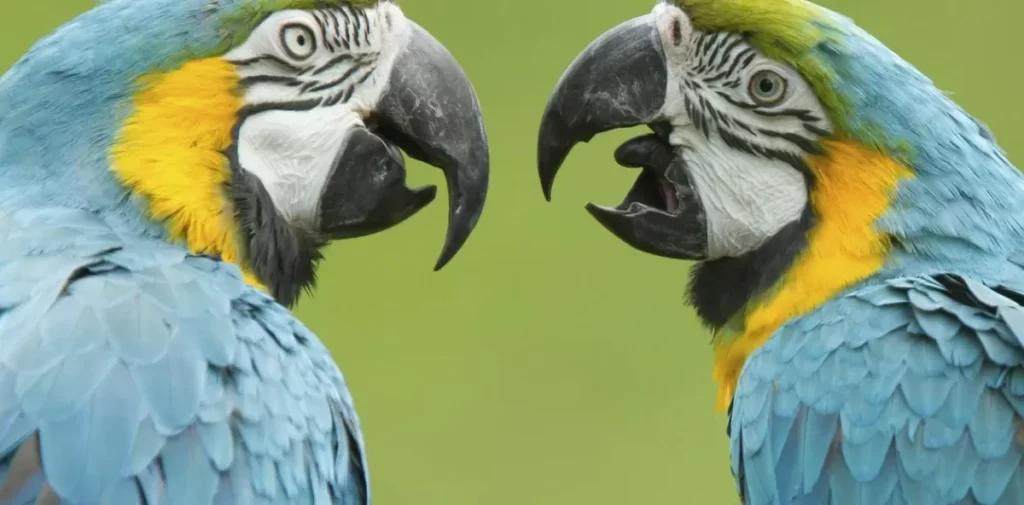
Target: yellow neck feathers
{"x":170,"y":151}
{"x":853,"y":188}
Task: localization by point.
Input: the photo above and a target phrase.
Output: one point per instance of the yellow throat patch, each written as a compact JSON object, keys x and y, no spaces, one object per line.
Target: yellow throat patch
{"x":854,"y":186}
{"x":170,"y":151}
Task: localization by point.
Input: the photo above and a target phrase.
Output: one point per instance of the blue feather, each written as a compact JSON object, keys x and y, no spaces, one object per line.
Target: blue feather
{"x":864,"y":458}
{"x":151,"y":376}
{"x":788,"y":458}
{"x":896,"y":413}
{"x":189,"y":474}
{"x":83,"y":454}
{"x":819,"y":432}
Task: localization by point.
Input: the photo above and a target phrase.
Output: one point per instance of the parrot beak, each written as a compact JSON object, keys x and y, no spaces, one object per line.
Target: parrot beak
{"x":430,"y":111}
{"x":620,"y":80}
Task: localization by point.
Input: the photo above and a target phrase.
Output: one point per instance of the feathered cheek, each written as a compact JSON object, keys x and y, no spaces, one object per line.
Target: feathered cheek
{"x":748,"y":200}
{"x":292,"y":152}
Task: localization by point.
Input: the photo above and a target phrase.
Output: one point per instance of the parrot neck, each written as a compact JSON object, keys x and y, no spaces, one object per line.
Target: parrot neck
{"x":85,"y":124}
{"x":125,"y":154}
{"x":181,"y":174}
{"x":963,"y":209}
{"x":915,"y":185}
{"x":840,"y":247}
{"x":965,"y":216}
{"x":62,"y":103}
{"x":969,"y":221}
{"x":187,"y":180}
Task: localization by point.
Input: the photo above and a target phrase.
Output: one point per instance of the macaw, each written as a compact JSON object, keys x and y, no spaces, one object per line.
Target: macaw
{"x":858,"y":245}
{"x":169,"y":172}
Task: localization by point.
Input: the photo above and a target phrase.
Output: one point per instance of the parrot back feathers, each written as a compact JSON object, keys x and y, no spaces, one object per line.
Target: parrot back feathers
{"x":132,"y":372}
{"x":906,"y":391}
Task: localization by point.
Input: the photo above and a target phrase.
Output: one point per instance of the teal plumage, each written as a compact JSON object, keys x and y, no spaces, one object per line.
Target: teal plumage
{"x":907,"y":391}
{"x":907,"y":388}
{"x":119,"y":349}
{"x":147,"y":356}
{"x":880,"y":332}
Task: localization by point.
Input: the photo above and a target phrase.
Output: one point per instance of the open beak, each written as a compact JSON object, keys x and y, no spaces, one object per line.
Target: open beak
{"x":430,"y":111}
{"x":620,"y":80}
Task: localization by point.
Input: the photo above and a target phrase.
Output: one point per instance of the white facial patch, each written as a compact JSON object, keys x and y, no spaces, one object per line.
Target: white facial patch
{"x":746,"y":200}
{"x":313,"y":75}
{"x":746,"y":123}
{"x":292,"y":153}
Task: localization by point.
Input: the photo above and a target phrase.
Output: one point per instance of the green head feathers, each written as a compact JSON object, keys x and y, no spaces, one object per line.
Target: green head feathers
{"x":790,"y":31}
{"x":241,"y":16}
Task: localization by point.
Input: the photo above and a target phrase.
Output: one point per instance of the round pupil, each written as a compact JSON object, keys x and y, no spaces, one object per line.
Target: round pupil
{"x":301,"y":40}
{"x":766,"y":85}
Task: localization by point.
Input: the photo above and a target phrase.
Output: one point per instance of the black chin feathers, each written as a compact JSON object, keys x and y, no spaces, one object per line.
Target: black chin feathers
{"x":282,"y":257}
{"x":719,"y":289}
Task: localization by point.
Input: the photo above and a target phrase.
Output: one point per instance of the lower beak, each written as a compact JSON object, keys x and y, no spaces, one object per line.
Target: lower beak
{"x":619,"y":81}
{"x":430,"y":111}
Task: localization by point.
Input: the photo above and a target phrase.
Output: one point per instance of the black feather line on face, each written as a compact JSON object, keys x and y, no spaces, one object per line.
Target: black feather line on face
{"x":281,"y":256}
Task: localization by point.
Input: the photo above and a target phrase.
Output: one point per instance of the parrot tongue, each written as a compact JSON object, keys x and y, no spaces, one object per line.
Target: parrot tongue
{"x":668,"y":191}
{"x":651,"y":190}
{"x":661,"y":214}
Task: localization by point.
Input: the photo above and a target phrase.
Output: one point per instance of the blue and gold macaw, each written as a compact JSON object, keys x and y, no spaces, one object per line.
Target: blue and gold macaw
{"x":169,"y":171}
{"x":858,"y":238}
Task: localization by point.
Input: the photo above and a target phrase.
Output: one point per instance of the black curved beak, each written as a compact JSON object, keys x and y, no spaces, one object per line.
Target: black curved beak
{"x":430,"y":111}
{"x":619,"y":81}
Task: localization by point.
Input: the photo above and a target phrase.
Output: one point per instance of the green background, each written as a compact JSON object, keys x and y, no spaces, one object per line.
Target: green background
{"x":549,"y":363}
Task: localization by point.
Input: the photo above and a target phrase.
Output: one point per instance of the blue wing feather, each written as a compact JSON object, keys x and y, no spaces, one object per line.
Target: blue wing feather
{"x":132,"y":372}
{"x":906,"y":392}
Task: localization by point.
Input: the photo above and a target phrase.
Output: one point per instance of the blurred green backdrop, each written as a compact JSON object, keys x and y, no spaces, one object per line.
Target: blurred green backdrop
{"x":549,"y":363}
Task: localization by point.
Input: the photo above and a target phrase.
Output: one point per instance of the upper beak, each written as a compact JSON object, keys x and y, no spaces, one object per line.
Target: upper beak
{"x":618,"y":81}
{"x":621,"y":80}
{"x":431,"y":111}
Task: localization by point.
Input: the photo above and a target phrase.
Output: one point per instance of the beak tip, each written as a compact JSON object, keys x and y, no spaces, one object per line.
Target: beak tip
{"x":546,"y":185}
{"x":441,"y":262}
{"x":454,"y":141}
{"x":620,"y":80}
{"x":426,"y":195}
{"x":610,"y":220}
{"x":551,"y":153}
{"x":463,"y":217}
{"x":452,"y":244}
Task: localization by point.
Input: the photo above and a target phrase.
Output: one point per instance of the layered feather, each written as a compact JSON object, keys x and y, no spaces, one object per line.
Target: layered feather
{"x":132,"y":372}
{"x":910,"y":391}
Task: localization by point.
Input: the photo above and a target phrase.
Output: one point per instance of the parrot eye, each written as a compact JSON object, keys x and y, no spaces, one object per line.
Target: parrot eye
{"x":767,"y":87}
{"x":298,"y":41}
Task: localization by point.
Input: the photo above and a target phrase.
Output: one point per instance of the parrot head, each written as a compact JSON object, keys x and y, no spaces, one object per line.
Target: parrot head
{"x":792,"y":156}
{"x":256,"y":130}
